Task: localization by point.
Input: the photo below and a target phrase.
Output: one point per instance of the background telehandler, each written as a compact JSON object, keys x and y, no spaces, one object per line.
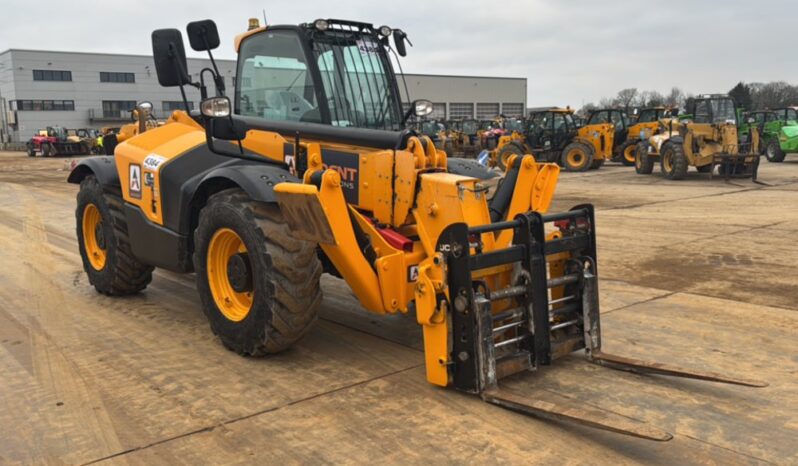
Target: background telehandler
{"x":705,"y":138}
{"x":552,"y":136}
{"x":258,"y":198}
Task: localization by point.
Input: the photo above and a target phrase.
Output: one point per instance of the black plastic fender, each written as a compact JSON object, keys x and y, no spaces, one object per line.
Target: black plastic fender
{"x":102,"y":167}
{"x":257,"y":180}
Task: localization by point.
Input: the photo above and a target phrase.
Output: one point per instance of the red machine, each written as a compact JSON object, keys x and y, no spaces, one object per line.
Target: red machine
{"x":54,"y":141}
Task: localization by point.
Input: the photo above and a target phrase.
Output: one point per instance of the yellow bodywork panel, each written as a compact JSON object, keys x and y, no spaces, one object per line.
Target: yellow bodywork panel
{"x":139,"y":161}
{"x":601,"y":137}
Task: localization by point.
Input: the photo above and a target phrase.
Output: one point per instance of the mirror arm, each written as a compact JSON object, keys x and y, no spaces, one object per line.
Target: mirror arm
{"x":217,"y":77}
{"x":209,"y":123}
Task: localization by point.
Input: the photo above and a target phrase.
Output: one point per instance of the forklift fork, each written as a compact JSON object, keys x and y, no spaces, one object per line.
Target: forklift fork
{"x":548,"y":311}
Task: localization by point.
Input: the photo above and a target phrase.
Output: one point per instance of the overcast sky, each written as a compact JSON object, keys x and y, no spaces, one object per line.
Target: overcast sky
{"x":571,"y":51}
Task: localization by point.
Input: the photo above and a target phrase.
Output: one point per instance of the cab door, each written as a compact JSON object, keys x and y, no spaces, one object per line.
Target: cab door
{"x":619,"y":121}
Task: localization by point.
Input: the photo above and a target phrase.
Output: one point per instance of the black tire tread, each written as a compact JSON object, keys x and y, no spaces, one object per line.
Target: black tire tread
{"x":588,"y":152}
{"x":646,"y":164}
{"x":294,"y":273}
{"x":123,"y":274}
{"x":679,"y":161}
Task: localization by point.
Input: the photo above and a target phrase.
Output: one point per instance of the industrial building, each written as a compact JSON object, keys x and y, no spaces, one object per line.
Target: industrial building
{"x":92,"y":90}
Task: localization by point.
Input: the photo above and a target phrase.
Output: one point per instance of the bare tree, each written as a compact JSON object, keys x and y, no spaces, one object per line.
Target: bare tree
{"x":626,"y":98}
{"x":675,"y":98}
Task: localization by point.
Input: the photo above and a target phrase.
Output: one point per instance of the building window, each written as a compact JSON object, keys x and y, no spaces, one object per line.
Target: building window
{"x":43,"y":105}
{"x":118,"y":108}
{"x":514,"y":109}
{"x":461,"y":110}
{"x":438,"y":111}
{"x":52,"y":75}
{"x":172,"y":105}
{"x":116,"y":77}
{"x":487,"y":111}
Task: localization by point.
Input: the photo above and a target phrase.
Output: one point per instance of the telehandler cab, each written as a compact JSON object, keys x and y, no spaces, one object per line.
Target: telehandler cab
{"x":309,"y":168}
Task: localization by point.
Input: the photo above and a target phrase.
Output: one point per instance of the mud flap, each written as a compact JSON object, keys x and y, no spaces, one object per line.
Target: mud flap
{"x":303,"y":212}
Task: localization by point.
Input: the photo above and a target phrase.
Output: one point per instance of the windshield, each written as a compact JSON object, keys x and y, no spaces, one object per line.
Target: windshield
{"x":513,"y":125}
{"x":470,"y":127}
{"x":715,"y":111}
{"x":431,"y":128}
{"x":276,"y":79}
{"x":649,"y":115}
{"x":357,"y":80}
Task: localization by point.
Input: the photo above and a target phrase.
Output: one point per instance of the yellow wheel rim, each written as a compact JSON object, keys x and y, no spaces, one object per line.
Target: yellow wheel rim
{"x":93,"y":241}
{"x":224,"y":244}
{"x":576,"y":158}
{"x":667,"y":161}
{"x":629,"y":154}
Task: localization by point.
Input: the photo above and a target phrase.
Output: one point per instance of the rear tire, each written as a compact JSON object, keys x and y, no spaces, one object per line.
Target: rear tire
{"x":577,"y":157}
{"x":673,"y":162}
{"x":627,"y":153}
{"x":773,"y":151}
{"x":105,"y":249}
{"x":45,"y":150}
{"x":644,"y":165}
{"x":283,"y":273}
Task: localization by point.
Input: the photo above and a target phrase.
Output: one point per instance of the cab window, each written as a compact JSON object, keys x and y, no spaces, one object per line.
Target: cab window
{"x":618,"y":119}
{"x":559,"y":123}
{"x":599,"y":118}
{"x":273,"y":79}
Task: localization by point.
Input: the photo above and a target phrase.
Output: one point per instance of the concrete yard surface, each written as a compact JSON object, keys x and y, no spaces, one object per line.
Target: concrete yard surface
{"x":698,"y":273}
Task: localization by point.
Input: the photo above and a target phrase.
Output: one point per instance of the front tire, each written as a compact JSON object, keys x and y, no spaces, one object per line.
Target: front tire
{"x":628,"y":153}
{"x":259,"y":285}
{"x":577,"y":157}
{"x":773,"y":151}
{"x":673,"y":162}
{"x":104,"y":244}
{"x":30,"y":150}
{"x":644,"y":165}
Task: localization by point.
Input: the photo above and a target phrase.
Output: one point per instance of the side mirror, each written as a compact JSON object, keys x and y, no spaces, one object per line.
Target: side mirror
{"x":170,"y":58}
{"x":203,"y":35}
{"x":399,"y":38}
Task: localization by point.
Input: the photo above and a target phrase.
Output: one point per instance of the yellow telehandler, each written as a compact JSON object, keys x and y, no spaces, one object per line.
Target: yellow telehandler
{"x":306,"y":172}
{"x":551,"y":135}
{"x":705,"y":137}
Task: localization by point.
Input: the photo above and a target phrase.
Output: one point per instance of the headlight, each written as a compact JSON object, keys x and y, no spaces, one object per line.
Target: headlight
{"x":422,"y":107}
{"x":144,"y":107}
{"x":385,"y":31}
{"x":215,"y":107}
{"x":321,"y":24}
